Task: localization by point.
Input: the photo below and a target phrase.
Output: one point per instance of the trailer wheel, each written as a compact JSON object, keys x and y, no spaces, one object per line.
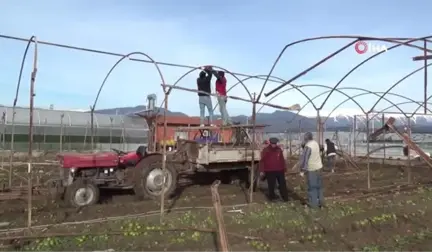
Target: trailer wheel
{"x":81,"y":193}
{"x":149,"y":178}
{"x":256,"y":181}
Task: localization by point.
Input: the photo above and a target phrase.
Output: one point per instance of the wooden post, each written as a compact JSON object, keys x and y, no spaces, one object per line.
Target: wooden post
{"x":223,"y":239}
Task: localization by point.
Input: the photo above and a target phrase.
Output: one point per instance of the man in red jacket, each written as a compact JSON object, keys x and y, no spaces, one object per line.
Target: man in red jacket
{"x":272,"y":166}
{"x":221,"y":83}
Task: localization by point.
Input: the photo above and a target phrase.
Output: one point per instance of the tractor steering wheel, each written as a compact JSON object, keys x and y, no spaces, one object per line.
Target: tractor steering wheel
{"x":119,"y":152}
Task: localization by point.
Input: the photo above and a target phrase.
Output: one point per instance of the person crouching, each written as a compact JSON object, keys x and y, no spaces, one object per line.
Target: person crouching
{"x":272,"y":166}
{"x":331,"y":155}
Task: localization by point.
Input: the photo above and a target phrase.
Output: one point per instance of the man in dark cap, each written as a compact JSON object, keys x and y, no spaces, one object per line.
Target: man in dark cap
{"x":272,"y":166}
{"x":311,"y":164}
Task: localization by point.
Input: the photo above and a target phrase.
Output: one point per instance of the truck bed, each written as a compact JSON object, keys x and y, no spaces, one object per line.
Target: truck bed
{"x":228,"y":155}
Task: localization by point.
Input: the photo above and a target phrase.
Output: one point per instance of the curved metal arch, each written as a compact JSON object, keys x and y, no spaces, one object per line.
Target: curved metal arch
{"x":312,"y":85}
{"x":358,"y":89}
{"x":357,"y":38}
{"x":116,"y":64}
{"x":398,"y":82}
{"x":196,"y":68}
{"x":31,"y":40}
{"x":406,"y":43}
{"x":277,"y":79}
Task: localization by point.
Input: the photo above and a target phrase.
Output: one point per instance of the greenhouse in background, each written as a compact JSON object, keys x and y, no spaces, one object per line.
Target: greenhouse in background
{"x":70,"y":130}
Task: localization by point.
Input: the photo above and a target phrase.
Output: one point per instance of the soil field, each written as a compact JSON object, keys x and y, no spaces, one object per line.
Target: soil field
{"x":391,"y":215}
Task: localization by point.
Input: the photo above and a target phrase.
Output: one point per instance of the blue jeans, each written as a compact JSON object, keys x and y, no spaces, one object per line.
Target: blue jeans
{"x":315,"y":190}
{"x":331,"y":162}
{"x":205,"y":102}
{"x":223,"y":110}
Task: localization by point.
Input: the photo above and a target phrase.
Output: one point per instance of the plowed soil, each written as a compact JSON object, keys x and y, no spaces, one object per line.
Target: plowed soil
{"x":390,"y":215}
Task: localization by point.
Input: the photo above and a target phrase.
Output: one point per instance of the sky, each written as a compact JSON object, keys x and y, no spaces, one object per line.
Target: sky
{"x":240,"y":36}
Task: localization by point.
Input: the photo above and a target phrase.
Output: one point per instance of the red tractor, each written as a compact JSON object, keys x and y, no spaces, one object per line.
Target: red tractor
{"x":83,"y":175}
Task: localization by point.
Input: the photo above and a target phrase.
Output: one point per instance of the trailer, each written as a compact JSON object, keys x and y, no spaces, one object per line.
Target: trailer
{"x":213,"y":149}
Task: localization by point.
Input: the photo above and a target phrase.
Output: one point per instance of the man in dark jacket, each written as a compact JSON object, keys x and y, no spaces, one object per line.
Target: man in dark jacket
{"x":331,"y":154}
{"x":204,"y":88}
{"x":272,"y":166}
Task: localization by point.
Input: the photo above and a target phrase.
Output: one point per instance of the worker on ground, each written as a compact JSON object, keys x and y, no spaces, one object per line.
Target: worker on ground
{"x":272,"y":166}
{"x":221,"y":92}
{"x":204,"y":88}
{"x":331,"y":154}
{"x":311,"y":165}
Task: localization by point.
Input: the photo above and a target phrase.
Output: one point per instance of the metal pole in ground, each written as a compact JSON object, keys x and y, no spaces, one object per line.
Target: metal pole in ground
{"x":252,"y":171}
{"x":44,"y":134}
{"x":12,"y":146}
{"x":61,"y":132}
{"x":92,"y":128}
{"x":30,"y":150}
{"x":110,"y":132}
{"x":355,"y":136}
{"x":367,"y":151}
{"x":409,"y":157}
{"x":162,"y":197}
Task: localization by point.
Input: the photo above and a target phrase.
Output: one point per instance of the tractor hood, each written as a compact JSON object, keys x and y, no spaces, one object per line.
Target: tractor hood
{"x":88,"y":160}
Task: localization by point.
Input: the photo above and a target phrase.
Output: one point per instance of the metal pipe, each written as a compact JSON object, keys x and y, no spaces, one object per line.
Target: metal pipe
{"x":425,"y":76}
{"x":122,"y":55}
{"x":384,"y":139}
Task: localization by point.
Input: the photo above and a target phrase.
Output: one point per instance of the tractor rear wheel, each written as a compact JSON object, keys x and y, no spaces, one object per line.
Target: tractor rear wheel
{"x":81,"y":193}
{"x":149,"y":178}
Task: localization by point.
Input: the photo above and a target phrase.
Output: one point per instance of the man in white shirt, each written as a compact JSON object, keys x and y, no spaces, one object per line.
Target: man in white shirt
{"x":311,"y":165}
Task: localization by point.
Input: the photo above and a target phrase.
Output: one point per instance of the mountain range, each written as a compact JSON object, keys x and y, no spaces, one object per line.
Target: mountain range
{"x":281,"y":121}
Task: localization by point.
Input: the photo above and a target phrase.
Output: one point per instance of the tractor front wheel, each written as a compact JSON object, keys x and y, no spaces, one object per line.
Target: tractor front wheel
{"x":81,"y":193}
{"x":150,"y":178}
